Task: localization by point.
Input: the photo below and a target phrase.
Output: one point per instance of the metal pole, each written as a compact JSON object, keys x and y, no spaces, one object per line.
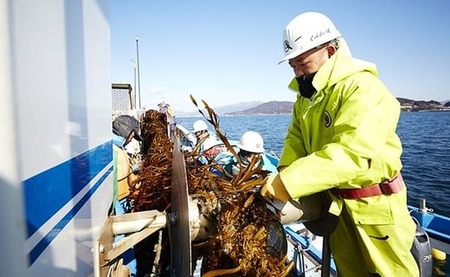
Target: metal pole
{"x":326,"y":257}
{"x":133,"y":90}
{"x":138,"y":71}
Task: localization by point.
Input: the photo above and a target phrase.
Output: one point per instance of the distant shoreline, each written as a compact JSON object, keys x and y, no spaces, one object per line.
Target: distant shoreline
{"x":285,"y":107}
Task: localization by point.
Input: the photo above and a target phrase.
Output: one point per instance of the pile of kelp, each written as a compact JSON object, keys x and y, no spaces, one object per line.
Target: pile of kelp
{"x":244,"y":235}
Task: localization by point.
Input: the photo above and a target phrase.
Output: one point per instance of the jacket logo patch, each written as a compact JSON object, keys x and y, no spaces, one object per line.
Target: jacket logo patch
{"x":326,"y":119}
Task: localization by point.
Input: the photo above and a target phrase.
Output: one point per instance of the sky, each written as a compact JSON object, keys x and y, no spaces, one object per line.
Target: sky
{"x":227,"y":52}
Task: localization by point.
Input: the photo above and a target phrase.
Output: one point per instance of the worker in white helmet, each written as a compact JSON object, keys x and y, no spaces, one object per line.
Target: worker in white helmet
{"x":251,"y":145}
{"x":211,"y":149}
{"x":214,"y":153}
{"x":200,"y":131}
{"x":342,"y":140}
{"x":200,"y":128}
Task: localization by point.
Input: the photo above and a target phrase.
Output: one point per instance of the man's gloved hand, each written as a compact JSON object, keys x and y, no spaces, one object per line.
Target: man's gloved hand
{"x":274,"y":188}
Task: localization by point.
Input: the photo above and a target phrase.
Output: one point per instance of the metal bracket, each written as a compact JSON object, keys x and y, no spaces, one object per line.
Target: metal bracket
{"x":135,"y":226}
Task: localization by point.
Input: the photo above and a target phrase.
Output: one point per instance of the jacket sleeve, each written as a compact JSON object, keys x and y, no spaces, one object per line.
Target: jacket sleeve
{"x":364,"y":127}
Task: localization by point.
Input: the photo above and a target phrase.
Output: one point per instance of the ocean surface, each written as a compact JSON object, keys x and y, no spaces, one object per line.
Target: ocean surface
{"x":426,"y":149}
{"x":426,"y":154}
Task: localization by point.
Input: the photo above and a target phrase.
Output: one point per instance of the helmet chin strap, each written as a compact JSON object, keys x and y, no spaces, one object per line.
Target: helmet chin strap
{"x":305,"y":85}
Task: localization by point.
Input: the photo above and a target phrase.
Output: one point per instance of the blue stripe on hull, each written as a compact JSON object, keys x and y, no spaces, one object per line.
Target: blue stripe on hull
{"x":47,"y":192}
{"x":45,"y":241}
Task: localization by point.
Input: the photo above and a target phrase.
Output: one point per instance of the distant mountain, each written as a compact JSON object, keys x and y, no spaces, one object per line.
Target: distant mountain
{"x":285,"y":107}
{"x":272,"y":107}
{"x":236,"y":107}
{"x":421,"y":105}
{"x":222,"y":110}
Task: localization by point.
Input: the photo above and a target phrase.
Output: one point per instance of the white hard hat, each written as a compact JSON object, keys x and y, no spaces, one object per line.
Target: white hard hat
{"x":251,"y":142}
{"x":210,"y":142}
{"x":200,"y":125}
{"x":306,"y":31}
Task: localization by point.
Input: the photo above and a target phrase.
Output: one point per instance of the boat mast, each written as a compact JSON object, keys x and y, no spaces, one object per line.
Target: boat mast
{"x":138,"y":89}
{"x":134,"y":89}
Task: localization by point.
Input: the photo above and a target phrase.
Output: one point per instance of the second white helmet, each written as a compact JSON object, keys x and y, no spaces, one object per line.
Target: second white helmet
{"x":251,"y":142}
{"x":200,"y":125}
{"x":306,"y":31}
{"x":210,"y":142}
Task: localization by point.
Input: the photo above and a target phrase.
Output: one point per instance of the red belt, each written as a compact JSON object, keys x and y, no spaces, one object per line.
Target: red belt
{"x":387,"y":187}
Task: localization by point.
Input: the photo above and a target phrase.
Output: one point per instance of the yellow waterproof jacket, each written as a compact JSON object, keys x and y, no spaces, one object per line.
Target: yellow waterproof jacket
{"x":345,"y":136}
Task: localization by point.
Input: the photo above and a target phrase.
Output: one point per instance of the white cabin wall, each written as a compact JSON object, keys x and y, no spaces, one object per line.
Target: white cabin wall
{"x":56,"y":104}
{"x":40,"y":73}
{"x":98,"y":56}
{"x":13,"y":260}
{"x":61,"y":53}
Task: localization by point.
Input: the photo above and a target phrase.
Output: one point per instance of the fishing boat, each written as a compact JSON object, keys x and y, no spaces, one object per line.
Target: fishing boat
{"x":59,"y":169}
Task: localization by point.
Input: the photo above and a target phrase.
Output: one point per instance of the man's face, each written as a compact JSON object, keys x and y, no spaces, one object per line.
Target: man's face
{"x":249,"y":156}
{"x":198,"y":134}
{"x":310,"y":61}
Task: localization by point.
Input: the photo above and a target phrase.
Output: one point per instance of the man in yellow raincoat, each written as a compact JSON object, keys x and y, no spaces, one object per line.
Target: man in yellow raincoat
{"x":342,"y":139}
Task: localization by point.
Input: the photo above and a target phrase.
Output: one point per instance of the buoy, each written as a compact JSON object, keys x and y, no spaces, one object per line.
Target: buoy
{"x":438,"y":254}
